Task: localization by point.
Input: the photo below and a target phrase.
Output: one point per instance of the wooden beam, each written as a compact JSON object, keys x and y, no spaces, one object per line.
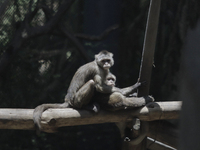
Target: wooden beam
{"x":54,"y":118}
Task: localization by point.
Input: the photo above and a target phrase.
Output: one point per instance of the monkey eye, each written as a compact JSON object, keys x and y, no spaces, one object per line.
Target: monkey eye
{"x":106,"y":60}
{"x":111,"y":79}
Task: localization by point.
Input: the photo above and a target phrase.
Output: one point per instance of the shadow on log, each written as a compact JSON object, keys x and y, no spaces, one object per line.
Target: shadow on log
{"x":55,"y":118}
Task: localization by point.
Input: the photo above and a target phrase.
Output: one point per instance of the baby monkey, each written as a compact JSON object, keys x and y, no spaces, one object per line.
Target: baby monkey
{"x":121,"y":100}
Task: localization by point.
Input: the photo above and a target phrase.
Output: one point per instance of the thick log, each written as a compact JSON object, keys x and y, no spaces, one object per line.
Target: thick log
{"x":54,"y":118}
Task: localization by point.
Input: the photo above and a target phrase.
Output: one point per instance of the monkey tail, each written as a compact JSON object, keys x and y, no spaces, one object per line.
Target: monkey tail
{"x":37,"y":114}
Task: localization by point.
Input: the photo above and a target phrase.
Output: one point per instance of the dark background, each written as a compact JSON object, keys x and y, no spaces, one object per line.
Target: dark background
{"x":42,"y":44}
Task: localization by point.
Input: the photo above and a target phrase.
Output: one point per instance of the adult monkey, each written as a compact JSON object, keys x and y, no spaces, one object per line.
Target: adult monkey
{"x":87,"y":78}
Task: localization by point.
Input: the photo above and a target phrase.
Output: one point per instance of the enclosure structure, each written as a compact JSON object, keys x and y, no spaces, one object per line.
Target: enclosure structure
{"x":54,"y":118}
{"x":30,"y":27}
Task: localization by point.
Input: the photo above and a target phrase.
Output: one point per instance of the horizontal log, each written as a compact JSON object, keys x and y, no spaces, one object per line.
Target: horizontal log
{"x":54,"y":118}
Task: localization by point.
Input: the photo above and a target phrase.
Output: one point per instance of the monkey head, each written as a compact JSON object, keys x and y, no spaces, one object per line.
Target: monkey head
{"x":110,"y":80}
{"x":104,"y":59}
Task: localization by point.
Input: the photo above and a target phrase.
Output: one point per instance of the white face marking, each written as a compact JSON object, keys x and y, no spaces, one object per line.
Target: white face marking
{"x":104,"y":60}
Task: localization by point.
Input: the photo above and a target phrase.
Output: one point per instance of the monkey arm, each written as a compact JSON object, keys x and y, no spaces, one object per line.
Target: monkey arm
{"x":129,"y":90}
{"x":103,"y":88}
{"x":124,"y":91}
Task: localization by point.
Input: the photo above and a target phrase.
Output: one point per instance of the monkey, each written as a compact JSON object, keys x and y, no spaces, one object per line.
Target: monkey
{"x":120,"y":100}
{"x":88,"y":78}
{"x":126,"y":99}
{"x":81,"y":89}
{"x":110,"y":81}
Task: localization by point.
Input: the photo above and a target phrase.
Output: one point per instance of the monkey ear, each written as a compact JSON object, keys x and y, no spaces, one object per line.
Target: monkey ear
{"x":111,"y":54}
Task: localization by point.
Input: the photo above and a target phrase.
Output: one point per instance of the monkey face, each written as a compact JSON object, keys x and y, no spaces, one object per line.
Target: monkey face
{"x":106,"y":63}
{"x":110,"y":79}
{"x":104,"y":59}
{"x":110,"y":82}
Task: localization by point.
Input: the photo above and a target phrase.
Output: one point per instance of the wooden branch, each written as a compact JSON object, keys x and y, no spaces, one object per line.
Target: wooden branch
{"x":19,"y":38}
{"x":38,"y":30}
{"x":149,"y":46}
{"x":76,"y":42}
{"x":3,"y":7}
{"x":54,"y":118}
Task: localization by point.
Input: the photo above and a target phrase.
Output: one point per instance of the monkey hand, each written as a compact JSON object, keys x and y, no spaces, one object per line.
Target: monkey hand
{"x":138,"y":84}
{"x":149,"y":99}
